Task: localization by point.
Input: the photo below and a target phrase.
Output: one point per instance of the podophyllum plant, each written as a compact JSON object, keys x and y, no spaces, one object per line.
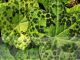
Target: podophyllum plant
{"x":39,"y":30}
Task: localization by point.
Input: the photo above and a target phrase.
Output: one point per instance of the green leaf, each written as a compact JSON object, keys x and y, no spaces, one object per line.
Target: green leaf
{"x":28,"y":54}
{"x":5,"y":54}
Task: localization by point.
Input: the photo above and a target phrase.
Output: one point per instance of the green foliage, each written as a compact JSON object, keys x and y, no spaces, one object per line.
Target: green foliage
{"x":5,"y":54}
{"x":39,"y":30}
{"x":28,"y":54}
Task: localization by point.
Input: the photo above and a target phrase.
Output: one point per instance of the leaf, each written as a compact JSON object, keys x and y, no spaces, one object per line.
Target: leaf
{"x":5,"y":54}
{"x":28,"y":54}
{"x":76,"y":8}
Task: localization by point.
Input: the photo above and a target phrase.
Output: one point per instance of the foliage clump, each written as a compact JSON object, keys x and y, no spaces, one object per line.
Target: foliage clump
{"x":39,"y":30}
